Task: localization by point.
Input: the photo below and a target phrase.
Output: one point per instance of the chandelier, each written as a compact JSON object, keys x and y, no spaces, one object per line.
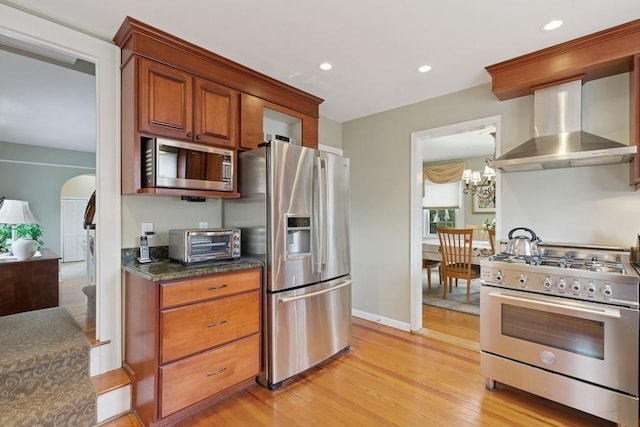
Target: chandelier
{"x":482,"y":185}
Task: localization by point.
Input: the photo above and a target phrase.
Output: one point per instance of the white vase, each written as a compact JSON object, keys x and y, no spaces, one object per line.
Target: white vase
{"x":24,"y":248}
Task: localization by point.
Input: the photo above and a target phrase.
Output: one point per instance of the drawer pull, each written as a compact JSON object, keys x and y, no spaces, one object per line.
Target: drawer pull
{"x":218,"y":372}
{"x":214,"y":288}
{"x":211,"y":325}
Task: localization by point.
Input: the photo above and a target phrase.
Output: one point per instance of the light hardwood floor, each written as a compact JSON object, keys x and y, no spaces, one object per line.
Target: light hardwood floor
{"x":389,"y":378}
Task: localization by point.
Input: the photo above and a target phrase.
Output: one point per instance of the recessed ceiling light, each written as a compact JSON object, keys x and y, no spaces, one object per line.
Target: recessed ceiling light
{"x":424,"y":68}
{"x":325,"y":66}
{"x":552,"y":25}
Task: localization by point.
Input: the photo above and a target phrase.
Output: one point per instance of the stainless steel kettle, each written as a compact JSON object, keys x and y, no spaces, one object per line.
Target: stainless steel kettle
{"x":522,"y":245}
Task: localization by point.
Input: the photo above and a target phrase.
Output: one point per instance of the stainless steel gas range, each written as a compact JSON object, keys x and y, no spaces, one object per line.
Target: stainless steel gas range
{"x":564,"y":325}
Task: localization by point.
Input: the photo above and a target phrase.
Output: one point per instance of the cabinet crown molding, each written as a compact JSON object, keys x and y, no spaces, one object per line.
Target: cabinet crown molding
{"x":601,"y":54}
{"x":137,"y":38}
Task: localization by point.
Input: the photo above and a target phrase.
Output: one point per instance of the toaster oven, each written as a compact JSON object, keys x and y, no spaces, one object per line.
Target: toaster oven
{"x":198,"y":245}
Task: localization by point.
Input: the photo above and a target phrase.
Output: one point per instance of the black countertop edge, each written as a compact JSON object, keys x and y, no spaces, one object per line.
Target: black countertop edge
{"x":165,"y":270}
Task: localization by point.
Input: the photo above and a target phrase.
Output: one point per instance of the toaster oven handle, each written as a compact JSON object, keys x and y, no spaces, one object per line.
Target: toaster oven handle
{"x":604,"y":312}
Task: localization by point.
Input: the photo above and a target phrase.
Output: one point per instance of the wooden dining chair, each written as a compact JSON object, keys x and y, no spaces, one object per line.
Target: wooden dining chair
{"x":456,"y":247}
{"x":429,"y":264}
{"x":492,"y":240}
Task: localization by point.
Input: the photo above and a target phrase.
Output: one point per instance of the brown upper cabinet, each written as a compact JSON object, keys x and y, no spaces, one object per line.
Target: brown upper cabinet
{"x":257,"y":118}
{"x":174,"y":89}
{"x":175,"y":104}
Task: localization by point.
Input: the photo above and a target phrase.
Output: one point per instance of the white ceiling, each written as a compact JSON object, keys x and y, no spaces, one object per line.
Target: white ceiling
{"x":45,"y":104}
{"x":466,"y":145}
{"x":374,"y":45}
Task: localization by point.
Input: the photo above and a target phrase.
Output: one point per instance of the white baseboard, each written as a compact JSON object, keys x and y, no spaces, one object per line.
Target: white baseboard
{"x":404,"y":326}
{"x":114,"y":403}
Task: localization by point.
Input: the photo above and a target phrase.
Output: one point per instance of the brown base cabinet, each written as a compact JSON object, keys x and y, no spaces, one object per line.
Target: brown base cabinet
{"x":190,"y":343}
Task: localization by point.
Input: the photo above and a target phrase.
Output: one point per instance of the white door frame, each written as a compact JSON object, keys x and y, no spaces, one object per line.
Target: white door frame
{"x":18,"y":24}
{"x":418,"y":140}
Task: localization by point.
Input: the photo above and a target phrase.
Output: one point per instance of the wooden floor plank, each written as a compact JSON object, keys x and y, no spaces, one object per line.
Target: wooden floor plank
{"x":449,"y":322}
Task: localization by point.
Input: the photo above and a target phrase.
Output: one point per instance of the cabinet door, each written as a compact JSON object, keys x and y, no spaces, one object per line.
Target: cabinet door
{"x":196,"y":327}
{"x":216,"y":114}
{"x":165,"y":101}
{"x":190,"y":380}
{"x":251,"y":118}
{"x":310,"y":132}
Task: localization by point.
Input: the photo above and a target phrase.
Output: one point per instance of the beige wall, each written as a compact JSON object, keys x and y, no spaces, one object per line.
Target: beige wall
{"x":165,"y":213}
{"x":330,"y":132}
{"x":572,"y":205}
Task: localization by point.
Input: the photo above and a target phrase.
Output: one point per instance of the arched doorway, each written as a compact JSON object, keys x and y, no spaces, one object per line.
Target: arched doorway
{"x":77,"y":267}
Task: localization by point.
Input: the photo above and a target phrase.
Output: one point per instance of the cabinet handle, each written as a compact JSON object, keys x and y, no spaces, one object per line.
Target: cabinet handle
{"x":214,"y":288}
{"x":189,"y":134}
{"x":198,"y":136}
{"x":218,"y":372}
{"x":212,"y":324}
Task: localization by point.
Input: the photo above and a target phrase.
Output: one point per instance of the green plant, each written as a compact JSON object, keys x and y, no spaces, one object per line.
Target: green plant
{"x":488,"y":224}
{"x":28,"y":231}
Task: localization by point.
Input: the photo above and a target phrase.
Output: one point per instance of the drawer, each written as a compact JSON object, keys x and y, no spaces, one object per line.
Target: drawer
{"x":206,"y":287}
{"x":188,"y":381}
{"x":193,"y":328}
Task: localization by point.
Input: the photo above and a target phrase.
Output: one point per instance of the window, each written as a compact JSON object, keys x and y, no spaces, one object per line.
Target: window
{"x":440,"y":206}
{"x":432,"y":219}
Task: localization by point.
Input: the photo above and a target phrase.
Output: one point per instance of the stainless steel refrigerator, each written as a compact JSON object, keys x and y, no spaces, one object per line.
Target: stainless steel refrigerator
{"x":294,"y":214}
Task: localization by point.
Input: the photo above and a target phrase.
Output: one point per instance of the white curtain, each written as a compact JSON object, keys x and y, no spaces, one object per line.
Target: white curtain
{"x":442,"y":185}
{"x":441,"y":196}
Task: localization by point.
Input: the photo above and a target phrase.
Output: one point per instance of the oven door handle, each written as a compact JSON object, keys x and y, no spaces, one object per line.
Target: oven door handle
{"x":605,"y":312}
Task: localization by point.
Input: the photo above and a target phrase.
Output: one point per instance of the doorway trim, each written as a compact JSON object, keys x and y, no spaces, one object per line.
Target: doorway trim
{"x":39,"y":31}
{"x":418,"y":140}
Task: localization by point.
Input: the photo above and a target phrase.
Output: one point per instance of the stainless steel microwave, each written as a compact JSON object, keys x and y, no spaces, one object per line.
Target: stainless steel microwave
{"x":178,"y":164}
{"x":189,"y":246}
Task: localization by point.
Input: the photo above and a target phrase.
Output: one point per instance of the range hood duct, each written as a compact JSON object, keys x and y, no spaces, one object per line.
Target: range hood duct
{"x":559,"y":140}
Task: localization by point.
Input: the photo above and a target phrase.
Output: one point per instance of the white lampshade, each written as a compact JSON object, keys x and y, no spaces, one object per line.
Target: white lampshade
{"x":16,"y":212}
{"x":489,"y":172}
{"x":475,"y":177}
{"x":466,"y":175}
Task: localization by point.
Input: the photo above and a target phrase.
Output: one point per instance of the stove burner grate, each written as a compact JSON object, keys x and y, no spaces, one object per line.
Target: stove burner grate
{"x":563,"y":262}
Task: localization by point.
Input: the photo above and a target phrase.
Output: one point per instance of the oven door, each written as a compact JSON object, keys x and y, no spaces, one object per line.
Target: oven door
{"x":592,"y":342}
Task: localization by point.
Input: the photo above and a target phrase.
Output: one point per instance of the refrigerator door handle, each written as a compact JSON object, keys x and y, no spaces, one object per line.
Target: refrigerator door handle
{"x":323,"y":214}
{"x":314,"y":294}
{"x":316,"y":261}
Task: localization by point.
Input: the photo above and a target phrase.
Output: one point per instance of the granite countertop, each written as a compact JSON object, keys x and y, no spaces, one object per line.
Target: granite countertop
{"x":164,"y":270}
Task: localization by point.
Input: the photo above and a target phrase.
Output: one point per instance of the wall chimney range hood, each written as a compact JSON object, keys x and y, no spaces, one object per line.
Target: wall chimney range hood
{"x":559,"y":141}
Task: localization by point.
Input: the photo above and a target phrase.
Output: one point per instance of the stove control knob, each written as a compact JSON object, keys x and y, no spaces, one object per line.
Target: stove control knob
{"x":562,"y":285}
{"x":499,"y":276}
{"x":547,"y":283}
{"x":522,"y":279}
{"x":591,"y":288}
{"x":576,"y":286}
{"x":607,"y":292}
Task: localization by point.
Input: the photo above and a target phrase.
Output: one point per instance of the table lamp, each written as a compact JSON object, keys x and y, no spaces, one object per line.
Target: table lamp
{"x":16,"y":212}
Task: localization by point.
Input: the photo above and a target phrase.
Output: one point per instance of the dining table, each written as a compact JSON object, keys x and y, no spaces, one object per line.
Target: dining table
{"x":481,"y":249}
